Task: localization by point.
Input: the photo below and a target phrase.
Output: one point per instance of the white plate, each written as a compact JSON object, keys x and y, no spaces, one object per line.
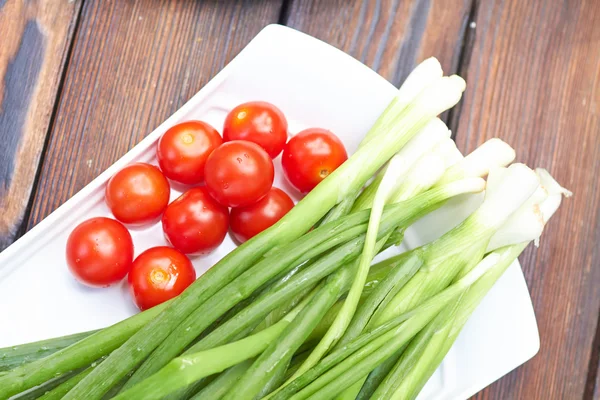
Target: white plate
{"x":315,"y":85}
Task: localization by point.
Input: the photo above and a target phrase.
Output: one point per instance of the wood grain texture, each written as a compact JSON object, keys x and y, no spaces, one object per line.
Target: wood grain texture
{"x":35,"y":38}
{"x":134,"y":63}
{"x":390,"y":36}
{"x":533,"y":79}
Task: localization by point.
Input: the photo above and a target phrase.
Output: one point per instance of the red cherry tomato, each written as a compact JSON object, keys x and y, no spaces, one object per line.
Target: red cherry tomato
{"x":239,"y":173}
{"x":99,"y":252}
{"x":137,"y":194}
{"x":310,"y":156}
{"x":249,"y":221}
{"x":183,"y":149}
{"x":258,"y":122}
{"x":159,"y":274}
{"x":195,"y":223}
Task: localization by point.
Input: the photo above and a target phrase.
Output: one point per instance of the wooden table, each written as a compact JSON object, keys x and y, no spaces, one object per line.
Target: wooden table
{"x":83,"y":81}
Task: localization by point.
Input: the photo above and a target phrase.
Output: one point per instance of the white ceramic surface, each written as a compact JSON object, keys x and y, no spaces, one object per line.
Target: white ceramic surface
{"x":315,"y":85}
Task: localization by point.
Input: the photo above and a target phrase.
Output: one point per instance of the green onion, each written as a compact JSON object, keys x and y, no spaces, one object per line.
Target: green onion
{"x":224,"y":382}
{"x":58,"y":392}
{"x":13,"y":356}
{"x":370,"y":385}
{"x":77,"y":355}
{"x":40,"y":390}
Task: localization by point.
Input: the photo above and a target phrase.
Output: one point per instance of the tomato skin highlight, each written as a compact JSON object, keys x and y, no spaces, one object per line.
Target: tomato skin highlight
{"x":249,"y":221}
{"x":239,"y":173}
{"x":138,"y":194}
{"x":183,"y":149}
{"x":99,"y":252}
{"x":310,"y":156}
{"x":158,"y":275}
{"x":258,"y":122}
{"x":195,"y":223}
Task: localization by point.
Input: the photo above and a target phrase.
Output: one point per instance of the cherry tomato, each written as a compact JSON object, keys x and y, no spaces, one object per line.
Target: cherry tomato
{"x":195,"y":223}
{"x":183,"y":149}
{"x":310,"y":156}
{"x":137,"y":194}
{"x":239,"y":173}
{"x":159,"y":274}
{"x":249,"y":221}
{"x":99,"y":252}
{"x":258,"y":122}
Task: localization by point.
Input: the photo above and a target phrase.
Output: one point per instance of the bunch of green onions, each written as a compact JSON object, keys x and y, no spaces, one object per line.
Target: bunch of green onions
{"x":300,"y":313}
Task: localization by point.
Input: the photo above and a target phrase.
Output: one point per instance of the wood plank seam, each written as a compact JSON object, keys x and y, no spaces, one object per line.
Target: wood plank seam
{"x":463,"y":60}
{"x":284,"y":12}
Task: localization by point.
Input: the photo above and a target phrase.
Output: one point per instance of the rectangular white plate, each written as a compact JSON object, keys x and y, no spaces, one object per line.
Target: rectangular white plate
{"x":315,"y":85}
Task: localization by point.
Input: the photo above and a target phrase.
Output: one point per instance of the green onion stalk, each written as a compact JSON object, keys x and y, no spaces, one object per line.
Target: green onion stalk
{"x":14,"y":356}
{"x":374,"y":378}
{"x":78,"y":355}
{"x":38,"y":391}
{"x":224,"y":382}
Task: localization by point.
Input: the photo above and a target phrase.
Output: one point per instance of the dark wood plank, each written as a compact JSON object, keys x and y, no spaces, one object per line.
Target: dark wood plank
{"x":134,"y":63}
{"x":533,"y":79}
{"x":35,"y":40}
{"x":390,"y":36}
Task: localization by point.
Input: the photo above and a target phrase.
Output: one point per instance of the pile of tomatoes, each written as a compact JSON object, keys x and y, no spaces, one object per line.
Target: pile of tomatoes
{"x":230,"y":187}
